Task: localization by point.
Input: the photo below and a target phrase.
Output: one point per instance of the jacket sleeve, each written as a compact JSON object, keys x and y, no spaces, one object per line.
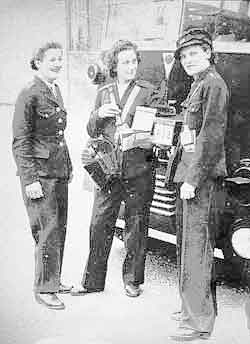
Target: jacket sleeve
{"x":22,"y":145}
{"x":95,"y":122}
{"x":210,"y":141}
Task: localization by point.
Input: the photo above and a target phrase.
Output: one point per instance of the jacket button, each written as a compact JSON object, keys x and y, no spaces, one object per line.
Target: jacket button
{"x":60,"y":132}
{"x":61,"y":144}
{"x":58,"y":109}
{"x":60,"y":120}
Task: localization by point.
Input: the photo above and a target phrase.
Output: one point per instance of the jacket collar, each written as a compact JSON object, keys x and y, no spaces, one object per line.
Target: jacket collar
{"x":122,"y":101}
{"x":204,"y":73}
{"x":48,"y":93}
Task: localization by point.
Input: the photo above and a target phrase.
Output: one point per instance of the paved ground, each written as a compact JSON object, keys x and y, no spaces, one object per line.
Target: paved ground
{"x":107,"y":318}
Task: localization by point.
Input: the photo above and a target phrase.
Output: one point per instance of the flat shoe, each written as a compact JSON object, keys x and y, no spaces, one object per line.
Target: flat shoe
{"x":83,"y":291}
{"x":64,"y":289}
{"x":49,"y":300}
{"x":132,"y":290}
{"x":178,"y":316}
{"x":188,"y":334}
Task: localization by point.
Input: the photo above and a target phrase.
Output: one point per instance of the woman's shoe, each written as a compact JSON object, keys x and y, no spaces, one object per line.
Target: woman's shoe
{"x":132,"y":290}
{"x":64,"y":289}
{"x":189,"y":334}
{"x":83,"y":291}
{"x":49,"y":300}
{"x":179,"y":316}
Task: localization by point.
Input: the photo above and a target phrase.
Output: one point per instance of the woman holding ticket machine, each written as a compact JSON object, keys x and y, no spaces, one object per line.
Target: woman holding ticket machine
{"x":200,"y":169}
{"x":119,"y":116}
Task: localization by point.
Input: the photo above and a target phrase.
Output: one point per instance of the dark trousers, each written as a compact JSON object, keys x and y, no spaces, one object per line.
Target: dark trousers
{"x":137,"y":194}
{"x":48,"y":220}
{"x":195,"y":246}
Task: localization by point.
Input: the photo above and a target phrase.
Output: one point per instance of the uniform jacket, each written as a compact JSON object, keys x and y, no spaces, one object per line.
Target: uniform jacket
{"x":137,"y":160}
{"x":39,"y":145}
{"x":206,"y":113}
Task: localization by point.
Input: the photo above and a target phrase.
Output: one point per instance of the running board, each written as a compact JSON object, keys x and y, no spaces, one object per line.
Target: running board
{"x":171,"y":238}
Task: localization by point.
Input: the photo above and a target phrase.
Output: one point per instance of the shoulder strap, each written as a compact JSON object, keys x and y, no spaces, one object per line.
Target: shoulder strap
{"x":130,"y":100}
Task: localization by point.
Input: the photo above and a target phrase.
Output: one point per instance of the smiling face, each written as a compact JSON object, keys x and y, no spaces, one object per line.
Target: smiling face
{"x":127,"y":65}
{"x":50,"y":65}
{"x":195,"y":59}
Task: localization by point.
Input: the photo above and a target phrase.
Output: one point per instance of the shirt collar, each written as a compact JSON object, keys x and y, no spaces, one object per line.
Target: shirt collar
{"x":51,"y":85}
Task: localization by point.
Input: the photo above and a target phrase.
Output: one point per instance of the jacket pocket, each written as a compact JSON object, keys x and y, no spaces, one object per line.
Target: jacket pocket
{"x":194,"y":117}
{"x":45,"y":110}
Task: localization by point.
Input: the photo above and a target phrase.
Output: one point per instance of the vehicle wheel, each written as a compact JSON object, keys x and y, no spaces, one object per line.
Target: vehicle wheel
{"x":240,"y":240}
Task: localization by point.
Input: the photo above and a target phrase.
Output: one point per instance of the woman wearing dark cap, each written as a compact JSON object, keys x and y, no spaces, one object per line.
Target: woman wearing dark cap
{"x":119,"y":99}
{"x":44,"y":167}
{"x":199,"y":172}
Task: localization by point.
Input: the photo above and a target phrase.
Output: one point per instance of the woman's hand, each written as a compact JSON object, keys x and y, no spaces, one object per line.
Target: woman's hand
{"x":108,"y":110}
{"x":34,"y":190}
{"x":187,"y":191}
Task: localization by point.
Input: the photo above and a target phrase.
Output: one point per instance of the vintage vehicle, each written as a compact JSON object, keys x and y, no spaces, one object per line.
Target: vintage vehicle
{"x":155,"y":26}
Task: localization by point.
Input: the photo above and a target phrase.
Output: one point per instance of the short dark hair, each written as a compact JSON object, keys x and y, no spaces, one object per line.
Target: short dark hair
{"x":111,"y":57}
{"x":39,"y":53}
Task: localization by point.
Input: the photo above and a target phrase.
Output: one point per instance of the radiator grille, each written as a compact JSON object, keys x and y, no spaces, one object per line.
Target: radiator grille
{"x":164,"y":199}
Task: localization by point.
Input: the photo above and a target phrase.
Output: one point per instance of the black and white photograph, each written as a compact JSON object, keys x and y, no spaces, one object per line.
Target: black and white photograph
{"x":125,"y":188}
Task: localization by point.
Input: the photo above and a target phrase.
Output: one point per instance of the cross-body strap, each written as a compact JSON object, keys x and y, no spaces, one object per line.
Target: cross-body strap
{"x":129,"y":102}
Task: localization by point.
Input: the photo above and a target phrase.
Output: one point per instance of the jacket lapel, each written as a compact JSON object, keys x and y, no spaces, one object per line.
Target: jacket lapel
{"x":121,"y":102}
{"x":58,"y":97}
{"x":48,"y":93}
{"x":116,"y":94}
{"x":126,"y":94}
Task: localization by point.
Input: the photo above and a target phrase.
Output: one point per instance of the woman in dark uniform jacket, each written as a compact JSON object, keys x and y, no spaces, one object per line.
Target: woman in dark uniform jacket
{"x":44,"y":167}
{"x":120,"y":98}
{"x":200,"y":170}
